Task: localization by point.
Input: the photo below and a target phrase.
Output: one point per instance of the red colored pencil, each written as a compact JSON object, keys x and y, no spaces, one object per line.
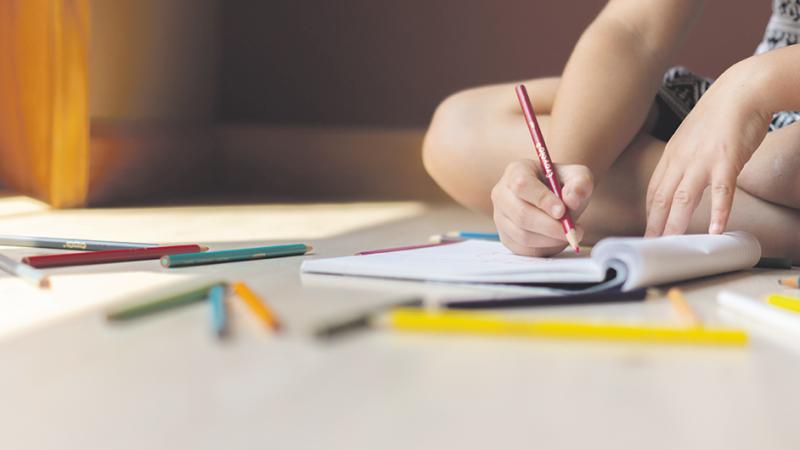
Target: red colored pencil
{"x":109,"y":256}
{"x":547,"y":163}
{"x":399,"y":249}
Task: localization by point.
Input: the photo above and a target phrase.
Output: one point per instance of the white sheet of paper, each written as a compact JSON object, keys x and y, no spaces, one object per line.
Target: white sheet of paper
{"x":648,"y":262}
{"x":469,"y":261}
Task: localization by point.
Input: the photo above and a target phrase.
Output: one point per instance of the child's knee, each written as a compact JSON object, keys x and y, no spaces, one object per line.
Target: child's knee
{"x":448,"y":138}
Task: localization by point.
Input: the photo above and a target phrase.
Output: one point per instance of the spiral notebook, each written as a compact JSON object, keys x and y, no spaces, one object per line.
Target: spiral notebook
{"x":619,"y":263}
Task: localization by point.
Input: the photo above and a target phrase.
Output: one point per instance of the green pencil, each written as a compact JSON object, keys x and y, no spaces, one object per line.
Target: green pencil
{"x":162,"y":303}
{"x":245,"y":254}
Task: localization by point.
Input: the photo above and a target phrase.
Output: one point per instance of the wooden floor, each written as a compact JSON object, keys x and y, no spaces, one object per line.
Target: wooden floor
{"x":76,"y":381}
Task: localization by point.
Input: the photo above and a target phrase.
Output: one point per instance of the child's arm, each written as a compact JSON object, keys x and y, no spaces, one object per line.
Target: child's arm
{"x":718,"y":137}
{"x":611,"y":78}
{"x":602,"y":101}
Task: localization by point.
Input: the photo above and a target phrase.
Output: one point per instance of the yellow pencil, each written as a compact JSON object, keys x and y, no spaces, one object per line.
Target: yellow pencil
{"x":675,"y":295}
{"x":479,"y":323}
{"x":257,"y":306}
{"x":784,"y":301}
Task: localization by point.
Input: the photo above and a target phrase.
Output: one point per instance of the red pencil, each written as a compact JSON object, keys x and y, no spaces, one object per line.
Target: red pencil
{"x":547,"y":163}
{"x":399,"y":249}
{"x":109,"y":256}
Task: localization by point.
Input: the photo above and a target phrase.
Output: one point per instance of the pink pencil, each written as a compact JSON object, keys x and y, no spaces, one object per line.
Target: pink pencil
{"x":547,"y":163}
{"x":399,"y":249}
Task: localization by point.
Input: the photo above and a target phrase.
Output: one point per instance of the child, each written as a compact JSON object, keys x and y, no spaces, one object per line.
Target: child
{"x":719,"y":169}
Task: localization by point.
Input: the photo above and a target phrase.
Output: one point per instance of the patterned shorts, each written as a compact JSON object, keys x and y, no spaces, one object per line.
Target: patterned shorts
{"x":680,"y":90}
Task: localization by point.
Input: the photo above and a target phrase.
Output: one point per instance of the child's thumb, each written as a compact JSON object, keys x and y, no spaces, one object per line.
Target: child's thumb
{"x":578,"y":184}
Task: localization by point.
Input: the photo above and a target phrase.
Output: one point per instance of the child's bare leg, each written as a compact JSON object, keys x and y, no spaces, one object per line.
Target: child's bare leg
{"x":772,"y":172}
{"x":476,"y":133}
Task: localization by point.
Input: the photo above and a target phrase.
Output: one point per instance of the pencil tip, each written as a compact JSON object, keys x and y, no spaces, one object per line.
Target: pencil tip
{"x":203,"y":248}
{"x":572,"y":238}
{"x":44,"y":283}
{"x":309,"y":248}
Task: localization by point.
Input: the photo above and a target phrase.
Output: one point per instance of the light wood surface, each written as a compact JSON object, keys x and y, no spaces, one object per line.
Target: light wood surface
{"x":166,"y":382}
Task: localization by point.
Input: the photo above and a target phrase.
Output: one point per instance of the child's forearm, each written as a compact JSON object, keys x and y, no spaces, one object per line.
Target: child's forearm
{"x":611,"y":79}
{"x":771,"y":80}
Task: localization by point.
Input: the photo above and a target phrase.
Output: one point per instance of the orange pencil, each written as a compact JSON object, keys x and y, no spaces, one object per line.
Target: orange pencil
{"x":675,"y":295}
{"x":257,"y":306}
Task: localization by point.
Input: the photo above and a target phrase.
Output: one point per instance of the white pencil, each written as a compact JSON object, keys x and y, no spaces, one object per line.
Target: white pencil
{"x":25,"y":272}
{"x":761,"y":312}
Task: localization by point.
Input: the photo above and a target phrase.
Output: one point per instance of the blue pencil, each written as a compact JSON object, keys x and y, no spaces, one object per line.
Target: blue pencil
{"x":245,"y":254}
{"x":219,"y":320}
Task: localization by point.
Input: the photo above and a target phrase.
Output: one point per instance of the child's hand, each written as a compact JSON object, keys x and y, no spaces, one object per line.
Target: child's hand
{"x":527,"y":212}
{"x":710,"y":148}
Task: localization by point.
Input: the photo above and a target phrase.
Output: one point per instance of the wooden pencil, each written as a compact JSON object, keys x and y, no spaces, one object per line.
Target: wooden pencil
{"x":69,"y":244}
{"x":25,"y":272}
{"x":109,"y":256}
{"x":224,"y":256}
{"x":547,"y":163}
{"x":258,"y":306}
{"x":687,"y":314}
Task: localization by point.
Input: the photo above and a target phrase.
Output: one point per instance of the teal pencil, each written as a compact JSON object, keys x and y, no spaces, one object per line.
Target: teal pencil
{"x":162,"y":303}
{"x":245,"y":254}
{"x":219,"y":319}
{"x":473,"y":235}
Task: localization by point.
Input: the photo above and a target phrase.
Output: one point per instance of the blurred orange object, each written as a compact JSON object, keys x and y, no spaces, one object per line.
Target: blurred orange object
{"x":44,"y":99}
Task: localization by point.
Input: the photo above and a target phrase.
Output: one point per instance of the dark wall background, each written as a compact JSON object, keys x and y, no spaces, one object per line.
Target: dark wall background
{"x":389,"y":62}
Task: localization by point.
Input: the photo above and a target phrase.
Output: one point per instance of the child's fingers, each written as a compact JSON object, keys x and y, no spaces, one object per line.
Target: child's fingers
{"x":684,"y":201}
{"x":655,"y":182}
{"x":522,"y":180}
{"x":723,"y":187}
{"x":661,"y":204}
{"x":527,"y":224}
{"x":524,"y":242}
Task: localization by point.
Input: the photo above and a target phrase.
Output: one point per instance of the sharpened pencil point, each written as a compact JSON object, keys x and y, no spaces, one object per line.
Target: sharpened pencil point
{"x":572,"y":238}
{"x":309,"y":248}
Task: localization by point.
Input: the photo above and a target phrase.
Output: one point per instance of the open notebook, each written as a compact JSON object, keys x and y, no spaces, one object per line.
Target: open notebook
{"x":629,"y":263}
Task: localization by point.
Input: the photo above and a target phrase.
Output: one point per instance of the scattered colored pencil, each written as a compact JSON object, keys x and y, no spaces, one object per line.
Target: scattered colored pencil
{"x":219,"y":316}
{"x":443,"y":238}
{"x":70,"y":244}
{"x":687,"y":314}
{"x":479,"y":323}
{"x":245,"y":254}
{"x":400,"y":249}
{"x":473,"y":235}
{"x":162,"y":303}
{"x":792,"y":282}
{"x":547,"y":163}
{"x":785,"y":302}
{"x":25,"y":272}
{"x":109,"y":256}
{"x":361,"y":320}
{"x":258,"y":307}
{"x":773,"y":263}
{"x":772,"y":317}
